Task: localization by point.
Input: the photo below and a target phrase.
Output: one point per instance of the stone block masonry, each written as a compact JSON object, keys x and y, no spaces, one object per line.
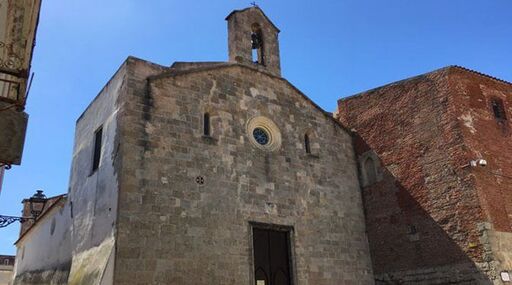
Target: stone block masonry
{"x":172,"y":229}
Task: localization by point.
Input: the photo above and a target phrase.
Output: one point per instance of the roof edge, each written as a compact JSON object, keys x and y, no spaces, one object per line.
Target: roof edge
{"x":446,"y":68}
{"x":118,"y":70}
{"x":389,"y":84}
{"x":45,"y":213}
{"x":174,"y":73}
{"x":480,"y":74}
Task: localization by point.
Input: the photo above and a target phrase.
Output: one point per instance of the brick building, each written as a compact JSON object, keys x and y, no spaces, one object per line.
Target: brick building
{"x":432,"y":215}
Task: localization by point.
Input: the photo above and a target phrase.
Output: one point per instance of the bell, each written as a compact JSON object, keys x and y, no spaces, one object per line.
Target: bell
{"x":255,"y":40}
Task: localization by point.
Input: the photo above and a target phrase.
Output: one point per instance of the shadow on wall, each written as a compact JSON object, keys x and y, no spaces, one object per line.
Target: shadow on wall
{"x":407,"y":245}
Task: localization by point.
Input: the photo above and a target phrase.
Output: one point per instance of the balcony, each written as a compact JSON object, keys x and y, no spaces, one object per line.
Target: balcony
{"x":18,"y":23}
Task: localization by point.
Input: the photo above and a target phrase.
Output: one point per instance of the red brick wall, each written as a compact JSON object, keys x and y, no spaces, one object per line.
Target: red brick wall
{"x":414,"y":127}
{"x":488,"y":138}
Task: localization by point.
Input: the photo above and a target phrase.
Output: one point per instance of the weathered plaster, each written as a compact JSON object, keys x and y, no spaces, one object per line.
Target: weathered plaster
{"x":89,"y":266}
{"x":94,"y":194}
{"x":44,"y":252}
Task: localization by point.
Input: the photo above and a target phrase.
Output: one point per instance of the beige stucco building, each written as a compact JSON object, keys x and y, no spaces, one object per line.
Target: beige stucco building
{"x":6,"y":269}
{"x":43,"y":249}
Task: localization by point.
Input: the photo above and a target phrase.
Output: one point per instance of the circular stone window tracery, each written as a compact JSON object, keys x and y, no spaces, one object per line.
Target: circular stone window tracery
{"x":261,"y":136}
{"x":264,"y":133}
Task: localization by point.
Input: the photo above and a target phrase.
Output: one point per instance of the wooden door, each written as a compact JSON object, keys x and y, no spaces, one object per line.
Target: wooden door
{"x":271,"y":257}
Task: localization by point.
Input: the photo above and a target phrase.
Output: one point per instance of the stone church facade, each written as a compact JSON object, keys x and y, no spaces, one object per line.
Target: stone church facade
{"x":215,"y":173}
{"x":225,"y":173}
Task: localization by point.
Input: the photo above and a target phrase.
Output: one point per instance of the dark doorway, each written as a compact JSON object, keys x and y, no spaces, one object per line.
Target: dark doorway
{"x":271,"y":257}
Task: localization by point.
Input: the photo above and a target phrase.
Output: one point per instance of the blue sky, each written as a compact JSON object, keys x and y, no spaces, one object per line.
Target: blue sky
{"x":329,"y":49}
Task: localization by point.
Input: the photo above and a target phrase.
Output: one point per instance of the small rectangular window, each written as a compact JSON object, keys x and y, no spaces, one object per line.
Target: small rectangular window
{"x":411,"y":229}
{"x":306,"y":143}
{"x":498,"y":109}
{"x":206,"y":124}
{"x":97,"y":149}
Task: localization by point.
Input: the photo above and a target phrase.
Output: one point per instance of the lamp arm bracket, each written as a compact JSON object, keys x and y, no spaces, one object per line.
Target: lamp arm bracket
{"x":7,"y":220}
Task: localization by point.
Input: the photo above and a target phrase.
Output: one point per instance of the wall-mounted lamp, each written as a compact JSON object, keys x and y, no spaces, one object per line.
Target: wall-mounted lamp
{"x":476,"y":162}
{"x":36,"y":203}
